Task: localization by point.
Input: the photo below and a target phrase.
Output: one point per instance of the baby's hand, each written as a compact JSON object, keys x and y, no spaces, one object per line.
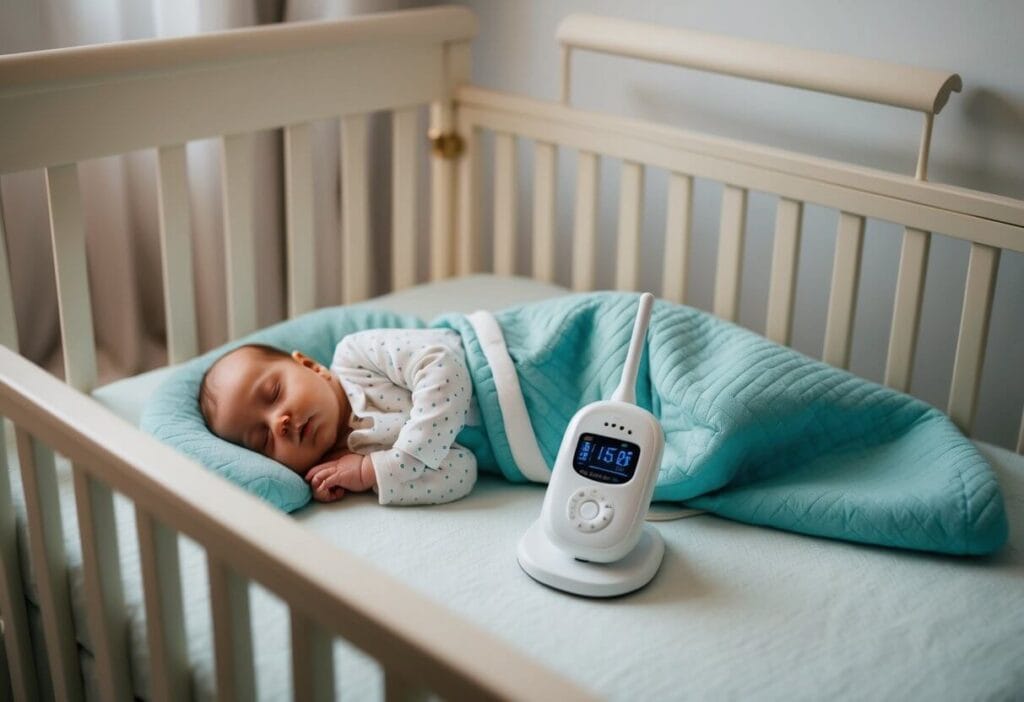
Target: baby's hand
{"x":331,"y":479}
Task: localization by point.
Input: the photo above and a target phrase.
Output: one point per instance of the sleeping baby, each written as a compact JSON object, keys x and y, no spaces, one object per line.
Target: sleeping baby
{"x":384,"y":417}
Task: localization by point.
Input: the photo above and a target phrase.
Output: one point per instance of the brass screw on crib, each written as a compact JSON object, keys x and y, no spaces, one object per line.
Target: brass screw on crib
{"x":447,"y":145}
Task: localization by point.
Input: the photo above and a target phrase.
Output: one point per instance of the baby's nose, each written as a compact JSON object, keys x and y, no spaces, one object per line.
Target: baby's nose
{"x":282,"y":423}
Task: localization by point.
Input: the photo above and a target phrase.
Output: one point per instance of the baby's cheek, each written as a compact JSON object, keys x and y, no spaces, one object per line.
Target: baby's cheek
{"x":293,"y":461}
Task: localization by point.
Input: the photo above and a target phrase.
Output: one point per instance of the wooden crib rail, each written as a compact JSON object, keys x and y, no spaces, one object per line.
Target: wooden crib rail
{"x":921,"y":89}
{"x":989,"y":222}
{"x":418,"y":642}
{"x":69,"y":105}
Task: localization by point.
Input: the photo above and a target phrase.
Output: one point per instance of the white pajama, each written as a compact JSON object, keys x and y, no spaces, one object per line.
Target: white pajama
{"x":410,"y":394}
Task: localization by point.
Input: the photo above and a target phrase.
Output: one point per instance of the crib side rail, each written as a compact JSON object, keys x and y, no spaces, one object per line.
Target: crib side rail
{"x":419,"y":643}
{"x":990,"y":223}
{"x":160,"y":92}
{"x":921,"y":89}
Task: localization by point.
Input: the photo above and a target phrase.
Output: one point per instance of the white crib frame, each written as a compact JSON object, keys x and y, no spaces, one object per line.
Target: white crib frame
{"x":230,"y":84}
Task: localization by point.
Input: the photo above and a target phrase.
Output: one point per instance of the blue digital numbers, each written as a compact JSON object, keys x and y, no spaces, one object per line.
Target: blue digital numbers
{"x":584,"y":453}
{"x":606,"y":459}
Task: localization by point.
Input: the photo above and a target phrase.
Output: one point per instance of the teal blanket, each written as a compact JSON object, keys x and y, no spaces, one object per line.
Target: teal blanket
{"x":754,"y":431}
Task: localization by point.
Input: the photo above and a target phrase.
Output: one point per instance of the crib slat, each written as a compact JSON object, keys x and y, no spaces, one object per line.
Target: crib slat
{"x":46,"y":544}
{"x":232,"y":633}
{"x":906,"y":313}
{"x":312,"y":661}
{"x":176,"y":253}
{"x":239,"y":240}
{"x":544,"y":183}
{"x":467,"y":234}
{"x":677,"y":237}
{"x":68,"y":230}
{"x":970,"y":344}
{"x":843,"y":298}
{"x":404,"y":179}
{"x":730,"y":252}
{"x":298,"y":190}
{"x":165,"y":619}
{"x":1020,"y":435}
{"x":505,"y":203}
{"x":101,"y":566}
{"x":8,"y":324}
{"x":355,"y":209}
{"x":584,"y":255}
{"x":17,"y":643}
{"x":785,"y":260}
{"x":631,"y":193}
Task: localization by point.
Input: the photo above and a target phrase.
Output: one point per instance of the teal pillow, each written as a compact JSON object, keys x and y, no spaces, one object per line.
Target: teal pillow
{"x":172,"y":413}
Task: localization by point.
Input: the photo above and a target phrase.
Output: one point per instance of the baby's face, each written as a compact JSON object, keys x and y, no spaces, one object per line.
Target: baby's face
{"x":288,"y":409}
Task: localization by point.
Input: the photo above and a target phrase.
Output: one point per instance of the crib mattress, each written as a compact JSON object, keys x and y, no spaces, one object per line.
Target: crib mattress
{"x":735,"y":611}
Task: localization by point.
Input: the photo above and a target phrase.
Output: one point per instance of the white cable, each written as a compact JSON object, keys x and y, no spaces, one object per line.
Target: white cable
{"x":667,"y":512}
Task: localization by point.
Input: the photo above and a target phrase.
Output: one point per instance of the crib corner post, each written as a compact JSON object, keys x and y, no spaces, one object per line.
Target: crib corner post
{"x":443,"y":170}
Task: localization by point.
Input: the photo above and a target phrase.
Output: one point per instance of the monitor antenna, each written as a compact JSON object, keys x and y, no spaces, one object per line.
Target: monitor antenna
{"x":626,"y":392}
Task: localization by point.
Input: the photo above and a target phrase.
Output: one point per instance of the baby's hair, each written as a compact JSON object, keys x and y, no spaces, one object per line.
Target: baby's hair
{"x":207,"y":401}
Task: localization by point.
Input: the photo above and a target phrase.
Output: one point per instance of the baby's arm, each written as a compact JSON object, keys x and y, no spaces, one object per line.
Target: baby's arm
{"x":405,"y":480}
{"x":351,"y":472}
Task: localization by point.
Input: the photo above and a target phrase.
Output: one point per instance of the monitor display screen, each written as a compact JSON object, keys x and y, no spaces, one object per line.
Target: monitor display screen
{"x":605,"y":459}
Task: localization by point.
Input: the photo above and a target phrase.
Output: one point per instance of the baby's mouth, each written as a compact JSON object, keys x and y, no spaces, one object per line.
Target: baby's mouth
{"x":306,"y":429}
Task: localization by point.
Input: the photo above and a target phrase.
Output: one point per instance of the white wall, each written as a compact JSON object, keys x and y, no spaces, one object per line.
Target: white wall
{"x":978,"y":142}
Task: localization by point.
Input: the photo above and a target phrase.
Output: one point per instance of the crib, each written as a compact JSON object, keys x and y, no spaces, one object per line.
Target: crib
{"x":232,"y":84}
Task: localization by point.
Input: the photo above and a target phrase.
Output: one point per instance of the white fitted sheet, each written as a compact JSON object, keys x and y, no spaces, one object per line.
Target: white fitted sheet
{"x":735,"y":612}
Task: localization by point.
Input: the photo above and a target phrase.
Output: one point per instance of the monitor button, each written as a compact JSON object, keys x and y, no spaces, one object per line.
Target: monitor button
{"x":589,"y":510}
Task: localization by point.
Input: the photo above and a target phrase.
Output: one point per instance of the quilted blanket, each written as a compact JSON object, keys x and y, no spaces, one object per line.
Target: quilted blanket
{"x":754,"y":431}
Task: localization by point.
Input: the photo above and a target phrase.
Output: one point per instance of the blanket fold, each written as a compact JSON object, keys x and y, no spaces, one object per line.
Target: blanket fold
{"x":754,"y":431}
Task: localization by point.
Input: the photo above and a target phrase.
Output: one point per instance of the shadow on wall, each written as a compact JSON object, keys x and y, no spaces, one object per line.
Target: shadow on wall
{"x":991,"y":111}
{"x":993,"y":119}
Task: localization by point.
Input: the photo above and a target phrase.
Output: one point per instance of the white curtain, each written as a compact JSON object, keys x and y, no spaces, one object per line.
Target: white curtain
{"x":119,"y":193}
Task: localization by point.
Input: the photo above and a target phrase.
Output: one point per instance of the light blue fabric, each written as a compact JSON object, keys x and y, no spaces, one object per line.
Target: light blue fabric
{"x":172,"y":414}
{"x":754,"y":431}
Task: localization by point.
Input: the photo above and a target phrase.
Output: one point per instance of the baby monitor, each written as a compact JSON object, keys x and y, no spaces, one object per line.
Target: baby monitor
{"x":591,"y":538}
